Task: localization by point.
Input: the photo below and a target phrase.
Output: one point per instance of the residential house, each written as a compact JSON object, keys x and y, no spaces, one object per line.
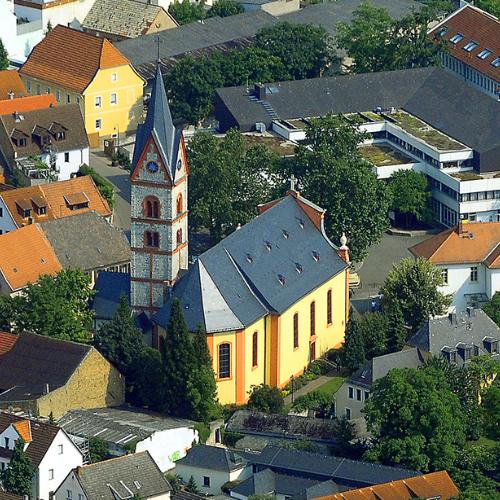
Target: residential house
{"x":45,"y":145}
{"x":23,"y":206}
{"x":459,"y":337}
{"x":211,"y":467}
{"x":166,"y":439}
{"x":422,"y":119}
{"x":49,"y":448}
{"x":468,"y":256}
{"x":353,"y":394}
{"x":435,"y":485}
{"x":472,"y":47}
{"x":129,"y":476}
{"x":127,"y":19}
{"x":27,"y":103}
{"x":11,"y":85}
{"x":44,"y":376}
{"x":89,"y":71}
{"x":19,"y":35}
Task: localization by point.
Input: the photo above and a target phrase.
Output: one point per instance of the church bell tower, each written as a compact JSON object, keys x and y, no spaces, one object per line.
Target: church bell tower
{"x":158,"y":204}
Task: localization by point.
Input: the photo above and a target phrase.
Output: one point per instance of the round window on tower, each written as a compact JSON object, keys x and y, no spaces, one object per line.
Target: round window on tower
{"x":152,"y":166}
{"x":179,"y":164}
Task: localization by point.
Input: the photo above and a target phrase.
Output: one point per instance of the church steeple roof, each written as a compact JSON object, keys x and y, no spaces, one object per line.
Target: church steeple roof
{"x":159,"y":123}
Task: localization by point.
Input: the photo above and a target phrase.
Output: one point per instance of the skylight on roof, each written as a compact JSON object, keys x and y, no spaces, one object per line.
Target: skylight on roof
{"x":484,"y":53}
{"x":470,"y":46}
{"x":496,"y":62}
{"x":443,"y":31}
{"x":457,"y":38}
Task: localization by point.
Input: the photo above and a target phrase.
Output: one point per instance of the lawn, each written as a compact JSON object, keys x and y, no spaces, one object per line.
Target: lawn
{"x":482,"y":441}
{"x":381,"y":155}
{"x":332,"y":386}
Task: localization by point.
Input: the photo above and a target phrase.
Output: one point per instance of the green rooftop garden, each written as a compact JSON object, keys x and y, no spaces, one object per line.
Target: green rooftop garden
{"x":276,"y":144}
{"x":420,"y":129}
{"x":372,"y":116}
{"x":466,"y":176}
{"x":381,"y":155}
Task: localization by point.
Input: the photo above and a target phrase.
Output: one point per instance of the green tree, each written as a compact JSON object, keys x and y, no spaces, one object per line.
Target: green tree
{"x":103,"y":185}
{"x":304,"y":49}
{"x":174,"y":480}
{"x":335,"y":176}
{"x":353,"y":350}
{"x":492,"y":308}
{"x":49,"y":26}
{"x":192,"y":487}
{"x":416,"y":421}
{"x":56,"y":306}
{"x":396,"y":329}
{"x":98,"y":449}
{"x":318,"y":401}
{"x":225,"y":8}
{"x":413,"y":284}
{"x":119,"y":340}
{"x":266,"y":399}
{"x":373,"y":328}
{"x":410,"y":195}
{"x":16,"y":478}
{"x":4,"y":57}
{"x":491,"y":411}
{"x":491,"y":6}
{"x":186,"y":12}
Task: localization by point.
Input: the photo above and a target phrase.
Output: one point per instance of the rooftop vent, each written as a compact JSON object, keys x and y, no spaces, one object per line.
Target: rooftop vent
{"x":286,"y":234}
{"x":269,"y":245}
{"x":300,"y":222}
{"x":299,"y":268}
{"x":315,"y":255}
{"x":249,"y":258}
{"x":281,"y":279}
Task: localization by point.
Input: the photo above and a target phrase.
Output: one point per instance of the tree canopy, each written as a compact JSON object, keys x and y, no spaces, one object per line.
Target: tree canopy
{"x":492,"y":308}
{"x":225,"y":8}
{"x":186,"y":12}
{"x":491,"y":6}
{"x":333,"y":175}
{"x":266,"y":399}
{"x":413,"y":285}
{"x":353,"y":350}
{"x":4,"y":57}
{"x":16,"y":478}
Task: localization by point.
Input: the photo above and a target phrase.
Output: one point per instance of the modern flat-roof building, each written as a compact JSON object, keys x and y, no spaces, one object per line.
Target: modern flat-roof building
{"x":424,"y":119}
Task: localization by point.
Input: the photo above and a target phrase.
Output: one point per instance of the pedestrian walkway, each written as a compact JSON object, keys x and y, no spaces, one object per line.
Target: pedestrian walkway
{"x":314,"y":385}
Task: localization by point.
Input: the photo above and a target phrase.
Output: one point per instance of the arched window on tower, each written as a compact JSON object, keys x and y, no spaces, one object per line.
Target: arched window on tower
{"x":180,"y":207}
{"x":152,"y":239}
{"x":179,"y":236}
{"x":151,"y":207}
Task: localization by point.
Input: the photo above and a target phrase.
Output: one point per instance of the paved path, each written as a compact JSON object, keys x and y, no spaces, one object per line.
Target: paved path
{"x":312,"y":386}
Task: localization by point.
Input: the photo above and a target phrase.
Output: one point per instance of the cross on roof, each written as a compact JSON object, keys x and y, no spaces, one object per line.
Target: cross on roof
{"x":293,"y":182}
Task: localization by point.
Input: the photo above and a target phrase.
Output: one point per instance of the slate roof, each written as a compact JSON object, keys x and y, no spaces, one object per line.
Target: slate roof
{"x":434,"y":95}
{"x":432,"y":485}
{"x":123,"y":477}
{"x":380,"y":366}
{"x":337,"y":469}
{"x":474,"y":243}
{"x":118,"y":425}
{"x":32,"y":121}
{"x":127,"y":18}
{"x":469,"y":328}
{"x":254,"y":270}
{"x":160,"y":125}
{"x":213,"y":458}
{"x":10,"y":81}
{"x":37,"y":360}
{"x":105,"y":245}
{"x":28,"y":103}
{"x":236,"y":31}
{"x":109,"y":288}
{"x":475,"y":25}
{"x":71,"y":58}
{"x":186,"y":495}
{"x":42,"y":435}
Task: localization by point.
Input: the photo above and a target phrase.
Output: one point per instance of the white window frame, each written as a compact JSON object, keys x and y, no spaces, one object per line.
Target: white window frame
{"x":444,"y":275}
{"x":114,"y":77}
{"x":100,"y":124}
{"x":111,"y":98}
{"x":474,"y":274}
{"x":58,"y":95}
{"x":51,"y":474}
{"x":98,"y":101}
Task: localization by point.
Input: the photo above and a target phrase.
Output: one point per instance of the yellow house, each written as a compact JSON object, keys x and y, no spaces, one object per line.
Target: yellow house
{"x":272,"y":297}
{"x":89,"y":70}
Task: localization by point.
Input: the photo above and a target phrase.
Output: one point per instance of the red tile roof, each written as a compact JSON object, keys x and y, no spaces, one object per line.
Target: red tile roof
{"x":478,"y":26}
{"x":71,"y":58}
{"x":10,"y":81}
{"x":29,"y":103}
{"x":7,"y":340}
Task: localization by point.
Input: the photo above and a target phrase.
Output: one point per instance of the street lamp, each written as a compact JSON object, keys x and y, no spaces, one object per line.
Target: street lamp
{"x":291,"y":381}
{"x":117,"y":128}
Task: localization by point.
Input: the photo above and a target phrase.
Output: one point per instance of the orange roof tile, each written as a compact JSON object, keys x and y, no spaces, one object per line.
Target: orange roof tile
{"x":23,"y":428}
{"x":478,"y":243}
{"x":10,"y":81}
{"x":7,"y":340}
{"x":71,"y":58}
{"x":435,"y":484}
{"x":26,"y":255}
{"x":29,"y":103}
{"x":54,"y":195}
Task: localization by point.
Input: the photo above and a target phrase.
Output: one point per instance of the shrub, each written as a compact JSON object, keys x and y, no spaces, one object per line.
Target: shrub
{"x":103,"y":185}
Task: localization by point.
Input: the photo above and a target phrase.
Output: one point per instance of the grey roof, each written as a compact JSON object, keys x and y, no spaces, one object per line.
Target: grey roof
{"x":432,"y":94}
{"x":105,"y":245}
{"x":109,"y":287}
{"x":186,"y":495}
{"x":223,"y":33}
{"x":213,"y":458}
{"x":468,"y":327}
{"x":160,"y":126}
{"x":127,"y":18}
{"x":380,"y":366}
{"x":123,"y":477}
{"x":340,"y":470}
{"x":119,"y":425}
{"x":253,"y":271}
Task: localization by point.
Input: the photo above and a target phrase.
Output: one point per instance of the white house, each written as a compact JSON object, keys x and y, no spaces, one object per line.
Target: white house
{"x":167,"y":439}
{"x":50,"y":449}
{"x":129,"y":476}
{"x":469,"y":258}
{"x":211,"y":467}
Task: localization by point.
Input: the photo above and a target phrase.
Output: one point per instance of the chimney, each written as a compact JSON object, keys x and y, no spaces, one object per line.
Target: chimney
{"x":10,"y":94}
{"x":46,"y":389}
{"x":343,"y":251}
{"x":260,"y":91}
{"x":17,"y":116}
{"x":453,"y":318}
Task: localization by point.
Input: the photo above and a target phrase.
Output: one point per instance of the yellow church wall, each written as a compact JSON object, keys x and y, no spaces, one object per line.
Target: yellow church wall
{"x":254,"y":375}
{"x":122,"y":116}
{"x":292,"y":361}
{"x":226,"y":387}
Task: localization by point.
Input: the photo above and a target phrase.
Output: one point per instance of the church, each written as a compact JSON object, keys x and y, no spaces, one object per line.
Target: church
{"x":271,"y":297}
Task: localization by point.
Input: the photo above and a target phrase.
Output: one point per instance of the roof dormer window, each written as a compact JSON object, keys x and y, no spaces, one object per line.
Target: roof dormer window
{"x":484,"y":53}
{"x":470,"y":46}
{"x":76,"y":201}
{"x":491,"y":345}
{"x":456,"y":38}
{"x":24,"y":207}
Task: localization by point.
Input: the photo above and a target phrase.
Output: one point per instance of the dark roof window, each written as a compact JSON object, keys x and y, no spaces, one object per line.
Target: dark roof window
{"x":470,"y":46}
{"x":484,"y":53}
{"x":496,"y":63}
{"x":443,"y":30}
{"x":457,"y":38}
